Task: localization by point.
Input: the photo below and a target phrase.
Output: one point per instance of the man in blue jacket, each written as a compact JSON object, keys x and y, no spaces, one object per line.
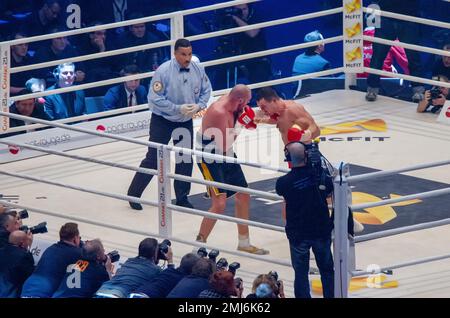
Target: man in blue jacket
{"x":53,"y":264}
{"x":65,"y":105}
{"x":130,"y":93}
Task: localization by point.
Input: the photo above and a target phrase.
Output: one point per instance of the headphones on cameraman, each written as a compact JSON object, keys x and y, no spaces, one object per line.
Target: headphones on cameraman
{"x":287,"y":154}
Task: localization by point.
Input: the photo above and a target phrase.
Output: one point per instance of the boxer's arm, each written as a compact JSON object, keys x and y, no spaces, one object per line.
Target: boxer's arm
{"x":217,"y":129}
{"x":261,"y":118}
{"x":306,"y":121}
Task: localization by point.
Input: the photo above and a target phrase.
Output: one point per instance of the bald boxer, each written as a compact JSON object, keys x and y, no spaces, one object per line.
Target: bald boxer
{"x":286,"y":114}
{"x":220,"y":126}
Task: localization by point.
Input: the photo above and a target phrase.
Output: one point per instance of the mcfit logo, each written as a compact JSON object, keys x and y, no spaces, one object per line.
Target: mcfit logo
{"x":352,"y":6}
{"x":377,"y":125}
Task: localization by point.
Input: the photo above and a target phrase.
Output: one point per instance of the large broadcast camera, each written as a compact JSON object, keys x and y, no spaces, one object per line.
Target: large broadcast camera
{"x":38,"y":229}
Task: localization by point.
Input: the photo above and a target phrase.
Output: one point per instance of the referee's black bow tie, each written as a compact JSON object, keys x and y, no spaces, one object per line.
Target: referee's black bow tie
{"x":184,"y":69}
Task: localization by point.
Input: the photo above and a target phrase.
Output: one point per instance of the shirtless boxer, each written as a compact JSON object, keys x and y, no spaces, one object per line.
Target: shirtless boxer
{"x":287,"y":115}
{"x":217,"y":134}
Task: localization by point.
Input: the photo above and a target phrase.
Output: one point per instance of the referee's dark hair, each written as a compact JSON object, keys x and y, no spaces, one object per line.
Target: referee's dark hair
{"x":182,"y":43}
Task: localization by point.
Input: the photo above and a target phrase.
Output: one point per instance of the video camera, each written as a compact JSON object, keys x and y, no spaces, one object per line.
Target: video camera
{"x":38,"y":229}
{"x":114,"y":256}
{"x":163,"y":248}
{"x":22,"y":214}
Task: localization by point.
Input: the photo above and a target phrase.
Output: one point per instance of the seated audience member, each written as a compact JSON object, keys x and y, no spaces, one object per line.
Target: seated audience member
{"x":130,"y":93}
{"x":311,"y":61}
{"x":85,"y":277}
{"x":56,"y":49}
{"x":191,"y":286}
{"x":442,"y":64}
{"x":8,"y":224}
{"x":434,"y":98}
{"x":135,"y":271}
{"x":16,"y":263}
{"x":26,"y":107}
{"x":19,"y":57}
{"x":265,"y":286}
{"x":162,"y":284}
{"x":46,"y":18}
{"x":53,"y":263}
{"x":396,"y":53}
{"x":65,"y":105}
{"x":140,"y":34}
{"x":101,"y":68}
{"x":222,"y":285}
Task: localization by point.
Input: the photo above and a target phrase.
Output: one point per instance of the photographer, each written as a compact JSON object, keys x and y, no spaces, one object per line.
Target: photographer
{"x":85,"y":277}
{"x":191,"y":286}
{"x":53,"y":264}
{"x":16,"y":263}
{"x":136,"y":271}
{"x":265,"y":286}
{"x":308,"y":222}
{"x":222,"y":285}
{"x":254,"y":70}
{"x":8,"y":224}
{"x":434,"y":98}
{"x":162,"y":284}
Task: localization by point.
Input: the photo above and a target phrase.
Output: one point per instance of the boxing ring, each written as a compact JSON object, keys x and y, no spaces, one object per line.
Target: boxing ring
{"x":100,"y":216}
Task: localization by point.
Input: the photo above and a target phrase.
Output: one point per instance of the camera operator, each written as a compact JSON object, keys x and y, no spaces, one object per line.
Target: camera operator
{"x":254,"y":70}
{"x":308,"y":222}
{"x":434,"y":98}
{"x":222,"y":285}
{"x":136,"y":271}
{"x":16,"y":263}
{"x":192,"y":285}
{"x":85,"y":277}
{"x":8,"y":224}
{"x":53,"y":264}
{"x":162,"y":284}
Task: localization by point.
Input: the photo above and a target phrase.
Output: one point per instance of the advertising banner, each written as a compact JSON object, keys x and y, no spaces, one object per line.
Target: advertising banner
{"x":353,"y":36}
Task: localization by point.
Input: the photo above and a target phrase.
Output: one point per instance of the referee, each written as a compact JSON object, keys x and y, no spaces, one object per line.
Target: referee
{"x":179,"y":89}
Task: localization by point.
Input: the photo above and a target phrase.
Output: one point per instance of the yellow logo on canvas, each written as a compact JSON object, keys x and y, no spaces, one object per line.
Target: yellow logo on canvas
{"x":353,"y":6}
{"x":354,"y":30}
{"x":353,"y":55}
{"x":378,"y":125}
{"x":380,"y":214}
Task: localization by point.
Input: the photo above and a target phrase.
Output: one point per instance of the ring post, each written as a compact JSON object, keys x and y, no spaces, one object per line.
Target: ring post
{"x":165,"y":214}
{"x":341,"y":232}
{"x":176,"y":30}
{"x":5,"y":78}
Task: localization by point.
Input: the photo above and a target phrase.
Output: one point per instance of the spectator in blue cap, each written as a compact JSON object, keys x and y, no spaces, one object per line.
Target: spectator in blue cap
{"x":310,"y":61}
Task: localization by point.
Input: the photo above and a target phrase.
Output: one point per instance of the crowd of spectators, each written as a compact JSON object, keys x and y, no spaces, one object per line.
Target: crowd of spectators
{"x":73,"y":268}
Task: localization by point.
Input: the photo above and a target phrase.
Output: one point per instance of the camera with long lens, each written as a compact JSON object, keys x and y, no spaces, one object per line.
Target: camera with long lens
{"x":38,"y":229}
{"x":212,"y":255}
{"x":163,"y":248}
{"x":233,"y":267}
{"x":202,"y":252}
{"x":222,"y":264}
{"x":114,"y":256}
{"x":22,"y":214}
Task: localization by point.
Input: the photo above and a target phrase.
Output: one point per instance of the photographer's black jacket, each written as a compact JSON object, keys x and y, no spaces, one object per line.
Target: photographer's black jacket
{"x":307,"y":215}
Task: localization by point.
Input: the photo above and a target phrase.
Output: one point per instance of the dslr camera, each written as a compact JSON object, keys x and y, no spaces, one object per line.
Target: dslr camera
{"x":233,"y":267}
{"x":163,"y":248}
{"x":222,"y":264}
{"x":435,"y":93}
{"x":114,"y":256}
{"x":274,"y":276}
{"x":22,"y":214}
{"x":38,"y":229}
{"x":202,"y":252}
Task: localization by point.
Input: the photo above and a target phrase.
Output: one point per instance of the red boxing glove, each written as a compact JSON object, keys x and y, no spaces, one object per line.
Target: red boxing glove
{"x":295,"y":134}
{"x":247,"y":118}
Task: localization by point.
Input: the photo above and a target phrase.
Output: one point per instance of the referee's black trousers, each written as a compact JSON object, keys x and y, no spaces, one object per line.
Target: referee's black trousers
{"x":161,"y":132}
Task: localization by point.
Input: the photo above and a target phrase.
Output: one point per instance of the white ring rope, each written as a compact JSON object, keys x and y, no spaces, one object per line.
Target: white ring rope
{"x":143,"y":233}
{"x":422,"y":195}
{"x":148,"y":171}
{"x":384,"y":173}
{"x":147,"y":143}
{"x":401,"y":230}
{"x":127,"y":22}
{"x":400,"y":265}
{"x":146,"y":202}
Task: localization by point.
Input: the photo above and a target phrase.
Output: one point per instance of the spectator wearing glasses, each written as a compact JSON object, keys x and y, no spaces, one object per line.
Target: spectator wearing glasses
{"x":53,"y":264}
